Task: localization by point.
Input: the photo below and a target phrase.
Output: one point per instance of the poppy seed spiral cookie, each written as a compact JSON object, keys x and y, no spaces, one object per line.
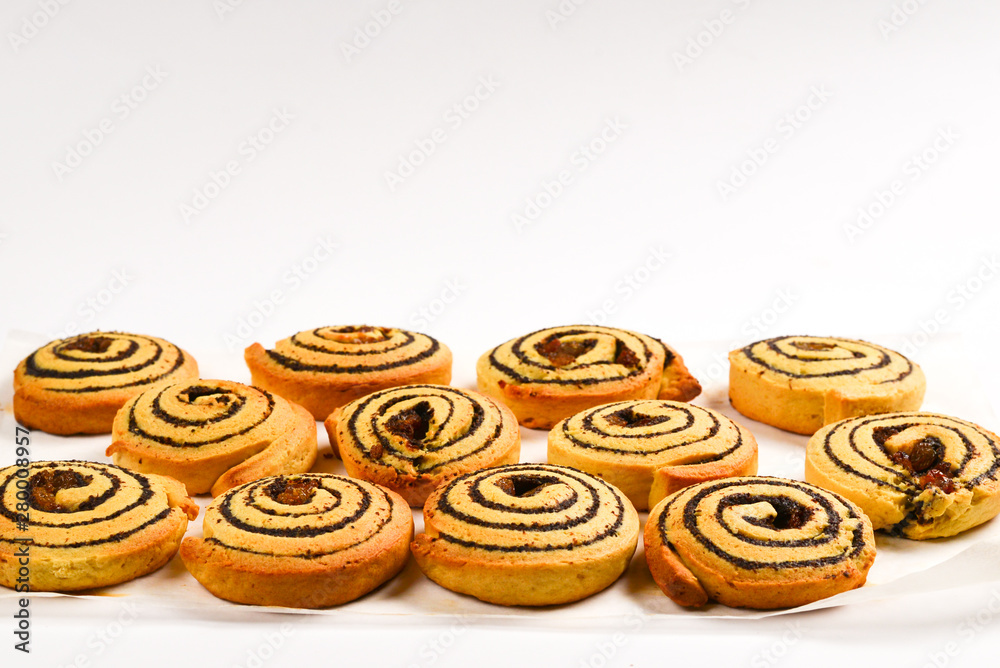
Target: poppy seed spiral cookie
{"x":213,"y":434}
{"x":554,"y":373}
{"x":651,"y":448}
{"x":325,"y":368}
{"x":527,"y":534}
{"x":77,"y":385}
{"x":415,"y":437}
{"x":918,"y":475}
{"x":800,"y":383}
{"x":757,"y":542}
{"x":83,"y":524}
{"x":303,"y":541}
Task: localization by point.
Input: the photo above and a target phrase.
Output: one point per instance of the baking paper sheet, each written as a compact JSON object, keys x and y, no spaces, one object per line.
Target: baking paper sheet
{"x":902,"y":567}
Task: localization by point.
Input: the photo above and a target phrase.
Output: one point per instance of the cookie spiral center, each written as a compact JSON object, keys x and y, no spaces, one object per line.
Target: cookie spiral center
{"x":923,"y":458}
{"x":813,"y":345}
{"x":412,"y":424}
{"x":562,"y":352}
{"x":778,"y":513}
{"x":788,"y":514}
{"x":46,"y":485}
{"x":524,"y":485}
{"x":361,"y":334}
{"x":627,"y":417}
{"x":293,"y":492}
{"x":201,"y":395}
{"x":90,"y":344}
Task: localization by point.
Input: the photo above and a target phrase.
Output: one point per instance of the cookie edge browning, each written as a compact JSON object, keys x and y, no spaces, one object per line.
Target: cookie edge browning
{"x":139,"y":554}
{"x":415,"y":489}
{"x":669,"y":573}
{"x":522,"y":581}
{"x":321,"y":394}
{"x":670,"y":479}
{"x":293,"y":582}
{"x":800,"y":410}
{"x":677,"y":383}
{"x":70,"y":413}
{"x":679,"y":580}
{"x":796,"y":410}
{"x":295,"y":451}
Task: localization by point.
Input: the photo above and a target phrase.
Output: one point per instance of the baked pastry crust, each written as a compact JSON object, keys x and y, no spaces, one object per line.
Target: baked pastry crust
{"x":89,"y":524}
{"x":213,"y":434}
{"x":76,"y":385}
{"x":328,"y":367}
{"x":918,"y":475}
{"x":557,"y":372}
{"x":415,"y":437}
{"x":651,"y":448}
{"x":527,"y":534}
{"x":757,"y":542}
{"x":302,"y":541}
{"x":800,"y":383}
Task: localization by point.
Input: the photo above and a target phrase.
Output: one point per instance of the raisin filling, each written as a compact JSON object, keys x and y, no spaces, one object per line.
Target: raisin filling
{"x":46,"y":484}
{"x":788,"y":515}
{"x":882,"y":434}
{"x":563,"y":353}
{"x":411,"y":424}
{"x":294,"y":492}
{"x":629,"y":418}
{"x":625,"y":356}
{"x":90,"y":344}
{"x":925,"y":461}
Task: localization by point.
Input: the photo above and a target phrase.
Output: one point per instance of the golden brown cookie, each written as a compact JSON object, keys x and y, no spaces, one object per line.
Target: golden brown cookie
{"x":554,"y":373}
{"x":757,"y":543}
{"x":415,"y":437}
{"x":76,"y":385}
{"x":527,"y":534}
{"x":651,"y":448}
{"x":325,"y":368}
{"x":800,"y":383}
{"x":918,"y":475}
{"x":301,"y":541}
{"x":71,"y":525}
{"x":213,"y":434}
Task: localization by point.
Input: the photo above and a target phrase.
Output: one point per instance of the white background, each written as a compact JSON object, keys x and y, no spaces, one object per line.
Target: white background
{"x":741,"y":138}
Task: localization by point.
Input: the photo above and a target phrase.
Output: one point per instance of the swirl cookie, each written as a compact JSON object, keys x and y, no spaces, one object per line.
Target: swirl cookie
{"x":325,"y":368}
{"x":554,"y":373}
{"x":413,"y":438}
{"x":651,"y":448}
{"x":213,"y":434}
{"x":76,"y":385}
{"x":86,"y":525}
{"x":918,"y":475}
{"x":527,"y":534}
{"x":300,"y":541}
{"x":800,"y":383}
{"x":757,"y":543}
